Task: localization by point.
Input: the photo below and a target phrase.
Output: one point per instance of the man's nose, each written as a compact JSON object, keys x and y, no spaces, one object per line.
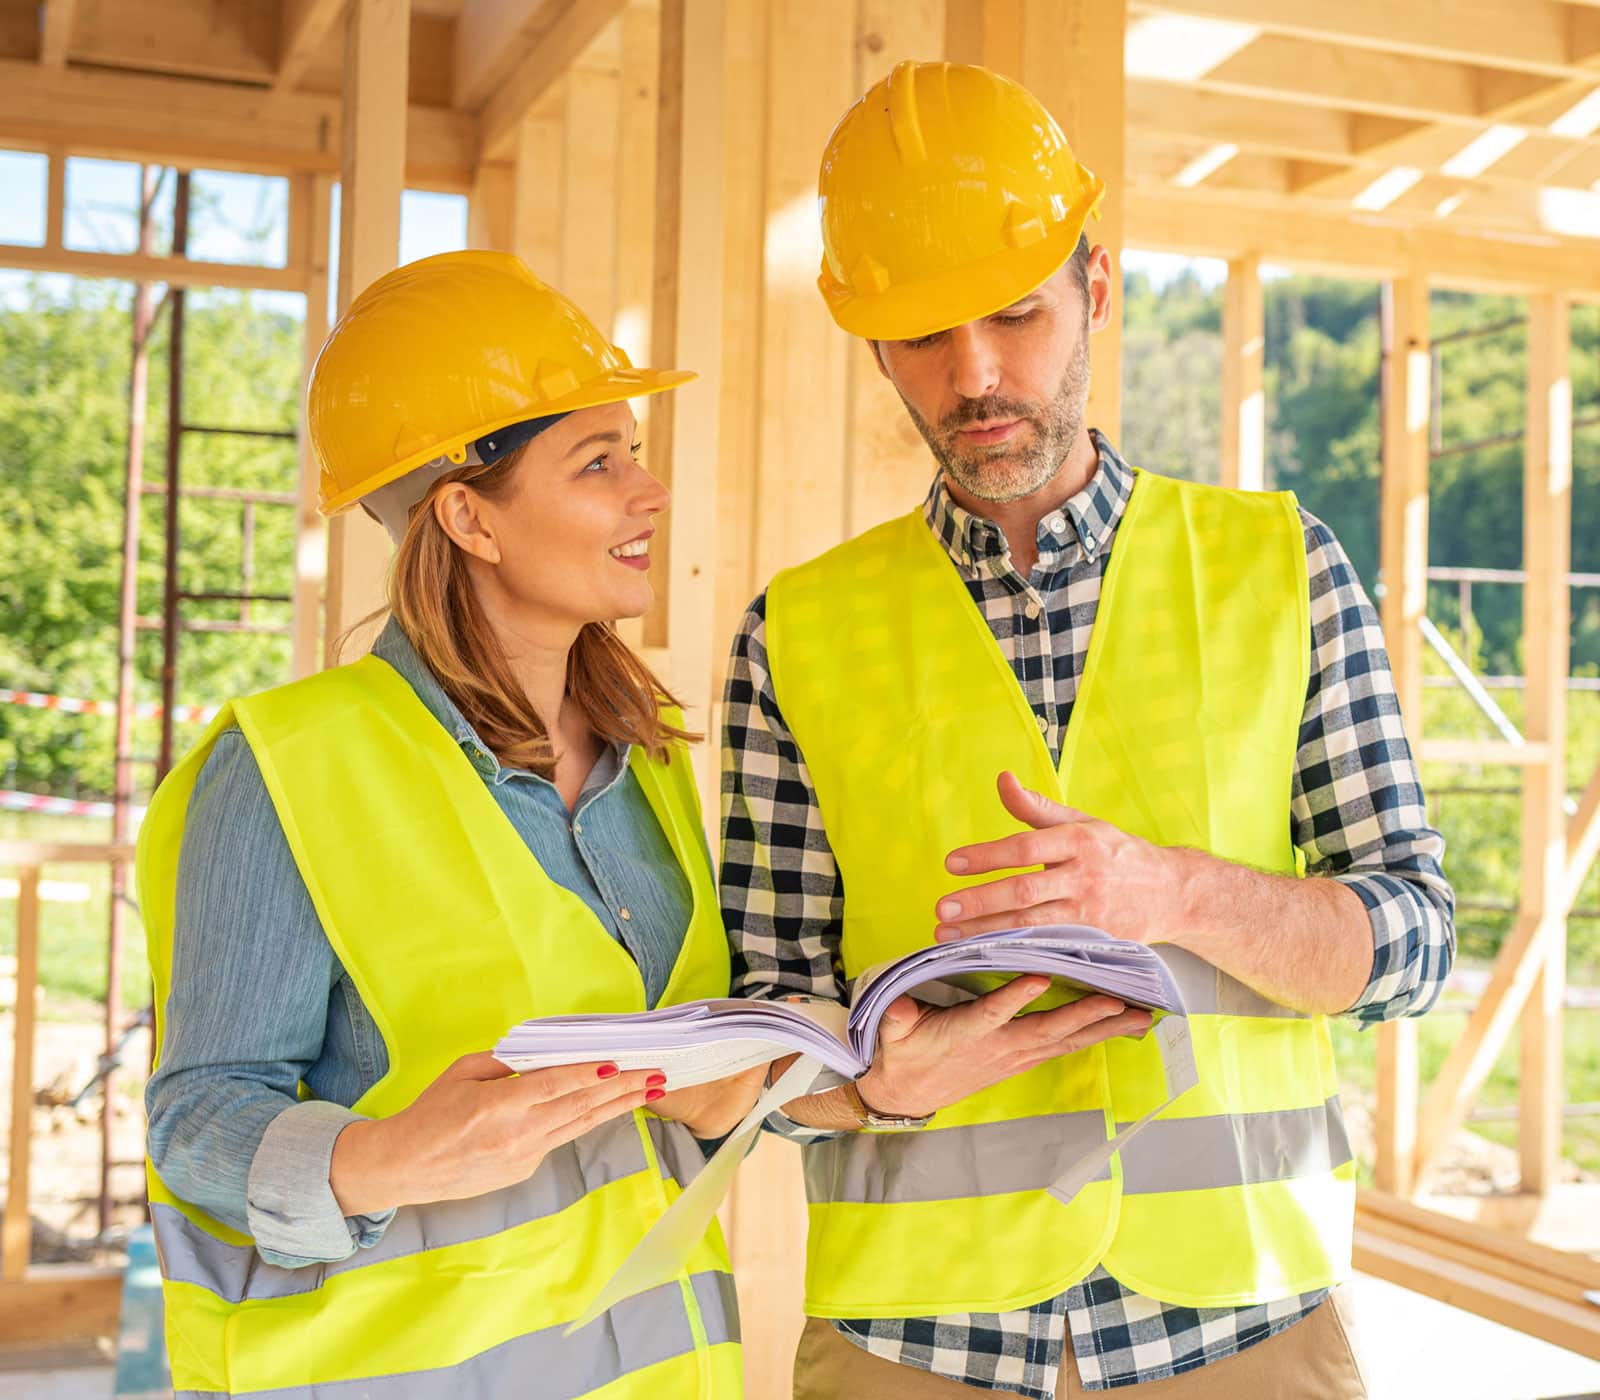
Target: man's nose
{"x":974,"y":361}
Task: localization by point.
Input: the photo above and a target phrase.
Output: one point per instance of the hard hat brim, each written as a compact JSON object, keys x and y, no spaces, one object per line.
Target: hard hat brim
{"x":959,"y":295}
{"x":615,"y":387}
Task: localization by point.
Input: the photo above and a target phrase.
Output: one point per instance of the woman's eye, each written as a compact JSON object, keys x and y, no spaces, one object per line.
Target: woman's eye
{"x":600,"y":463}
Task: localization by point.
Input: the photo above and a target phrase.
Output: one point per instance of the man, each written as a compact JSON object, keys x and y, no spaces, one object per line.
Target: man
{"x":1064,"y":692}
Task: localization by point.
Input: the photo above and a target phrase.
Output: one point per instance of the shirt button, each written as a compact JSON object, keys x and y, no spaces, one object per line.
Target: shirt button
{"x":1042,"y":722}
{"x":1057,"y":524}
{"x":577,"y":828}
{"x":1032,"y":609}
{"x":624,"y":915}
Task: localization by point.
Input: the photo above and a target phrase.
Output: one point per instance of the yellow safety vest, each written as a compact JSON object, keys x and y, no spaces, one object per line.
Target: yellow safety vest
{"x":451,"y":933}
{"x":1183,"y":732}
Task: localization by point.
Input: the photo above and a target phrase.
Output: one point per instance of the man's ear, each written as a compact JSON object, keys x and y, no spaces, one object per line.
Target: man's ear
{"x":459,"y":511}
{"x":1100,"y":288}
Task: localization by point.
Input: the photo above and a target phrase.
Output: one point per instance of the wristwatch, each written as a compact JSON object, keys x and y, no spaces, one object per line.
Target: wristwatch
{"x":868,"y":1117}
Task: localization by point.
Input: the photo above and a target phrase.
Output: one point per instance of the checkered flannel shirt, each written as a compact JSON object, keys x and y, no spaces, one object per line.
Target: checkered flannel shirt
{"x":1356,"y":811}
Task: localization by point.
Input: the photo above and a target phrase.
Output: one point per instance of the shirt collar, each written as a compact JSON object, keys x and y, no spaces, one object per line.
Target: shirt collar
{"x":395,"y":647}
{"x":1088,"y":518}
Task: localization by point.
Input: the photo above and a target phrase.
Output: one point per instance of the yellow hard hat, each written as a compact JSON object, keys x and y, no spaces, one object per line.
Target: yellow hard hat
{"x":946,"y":194}
{"x":442,"y":352}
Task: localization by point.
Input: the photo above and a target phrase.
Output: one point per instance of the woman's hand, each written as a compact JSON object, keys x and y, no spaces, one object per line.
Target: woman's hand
{"x":476,"y":1128}
{"x":715,"y":1108}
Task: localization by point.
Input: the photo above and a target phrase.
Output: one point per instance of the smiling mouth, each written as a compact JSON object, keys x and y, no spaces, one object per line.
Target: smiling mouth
{"x":634,"y":549}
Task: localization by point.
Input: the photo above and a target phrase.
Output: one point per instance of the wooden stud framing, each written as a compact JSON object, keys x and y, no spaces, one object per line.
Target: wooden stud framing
{"x":489,"y":207}
{"x":1546,"y":552}
{"x":369,"y":243}
{"x":310,"y":201}
{"x":55,"y":31}
{"x":1244,"y":399}
{"x":304,"y":25}
{"x":1403,"y":529}
{"x":16,"y":1229}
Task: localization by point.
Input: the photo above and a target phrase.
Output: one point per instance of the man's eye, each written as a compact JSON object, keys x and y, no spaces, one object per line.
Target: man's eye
{"x":1016,"y":320}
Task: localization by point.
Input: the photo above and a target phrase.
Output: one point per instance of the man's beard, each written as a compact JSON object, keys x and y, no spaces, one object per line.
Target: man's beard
{"x":1008,"y":471}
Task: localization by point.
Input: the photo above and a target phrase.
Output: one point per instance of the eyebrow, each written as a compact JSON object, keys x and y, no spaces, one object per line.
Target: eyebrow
{"x":591,"y":440}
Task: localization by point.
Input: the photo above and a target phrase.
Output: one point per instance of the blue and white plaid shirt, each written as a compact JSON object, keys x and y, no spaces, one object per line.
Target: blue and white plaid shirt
{"x":1356,"y":811}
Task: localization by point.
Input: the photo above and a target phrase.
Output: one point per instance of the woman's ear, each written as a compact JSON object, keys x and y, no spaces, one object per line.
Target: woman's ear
{"x":459,"y":511}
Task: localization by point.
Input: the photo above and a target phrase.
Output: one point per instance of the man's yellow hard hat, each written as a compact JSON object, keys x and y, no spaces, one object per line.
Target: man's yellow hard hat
{"x":442,"y":352}
{"x":946,"y":194}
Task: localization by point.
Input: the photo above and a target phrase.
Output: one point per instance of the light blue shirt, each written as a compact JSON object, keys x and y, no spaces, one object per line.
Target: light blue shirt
{"x":260,"y":1002}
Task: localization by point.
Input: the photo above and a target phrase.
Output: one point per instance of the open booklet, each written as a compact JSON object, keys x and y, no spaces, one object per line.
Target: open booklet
{"x":699,"y":1041}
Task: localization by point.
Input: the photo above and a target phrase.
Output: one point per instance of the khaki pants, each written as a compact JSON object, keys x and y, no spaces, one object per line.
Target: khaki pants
{"x":1316,"y":1359}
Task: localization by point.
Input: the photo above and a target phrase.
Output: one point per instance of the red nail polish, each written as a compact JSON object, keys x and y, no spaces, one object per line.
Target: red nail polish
{"x":653,"y":1094}
{"x":607,"y":1071}
{"x":655,"y":1081}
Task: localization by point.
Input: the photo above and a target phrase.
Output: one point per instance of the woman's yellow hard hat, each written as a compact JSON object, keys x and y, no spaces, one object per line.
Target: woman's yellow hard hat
{"x":946,"y":193}
{"x":447,"y":350}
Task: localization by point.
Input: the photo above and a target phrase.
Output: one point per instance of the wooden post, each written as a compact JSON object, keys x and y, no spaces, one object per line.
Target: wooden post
{"x":1546,"y":555}
{"x":800,"y":489}
{"x":538,"y":166}
{"x":16,"y":1229}
{"x":1072,"y":62}
{"x":1403,"y":546}
{"x":1244,"y":400}
{"x":311,"y":199}
{"x":489,"y":208}
{"x":377,"y":39}
{"x":685,"y":324}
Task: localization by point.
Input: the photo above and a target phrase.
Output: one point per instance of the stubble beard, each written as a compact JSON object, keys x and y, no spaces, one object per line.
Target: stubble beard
{"x":1011,"y":470}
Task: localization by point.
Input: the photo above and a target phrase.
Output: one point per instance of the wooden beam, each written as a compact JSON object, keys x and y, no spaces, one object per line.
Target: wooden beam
{"x":373,"y":177}
{"x":1535,"y":36}
{"x":1222,"y":224}
{"x":60,"y":1303}
{"x":55,"y":31}
{"x":16,"y":1227}
{"x":686,"y":331}
{"x":1529,"y":1287}
{"x":800,"y":500}
{"x":492,"y":36}
{"x":1478,"y":752}
{"x":310,"y":209}
{"x":569,"y":33}
{"x":221,"y":126}
{"x":1403,"y":528}
{"x":304,"y":26}
{"x":888,"y":465}
{"x":489,"y":208}
{"x":589,"y":192}
{"x":1318,"y":74}
{"x":1546,"y":554}
{"x":135,"y":267}
{"x":539,"y":166}
{"x":230,"y":40}
{"x":1073,"y":63}
{"x":1244,"y":399}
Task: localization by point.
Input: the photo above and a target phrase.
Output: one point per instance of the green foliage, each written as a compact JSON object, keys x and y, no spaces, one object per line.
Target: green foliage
{"x":64,"y":372}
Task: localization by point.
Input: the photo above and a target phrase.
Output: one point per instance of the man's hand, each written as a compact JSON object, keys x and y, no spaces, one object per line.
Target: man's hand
{"x":930,"y":1057}
{"x":1094,"y":873}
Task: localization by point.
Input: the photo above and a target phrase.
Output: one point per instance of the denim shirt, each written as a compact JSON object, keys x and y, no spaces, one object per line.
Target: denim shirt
{"x":260,"y":1002}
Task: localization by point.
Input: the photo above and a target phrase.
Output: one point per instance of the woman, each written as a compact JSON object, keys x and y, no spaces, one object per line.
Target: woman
{"x":355,"y":884}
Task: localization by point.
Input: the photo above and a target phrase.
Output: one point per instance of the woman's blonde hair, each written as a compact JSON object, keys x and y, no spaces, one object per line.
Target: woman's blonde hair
{"x":431,"y":596}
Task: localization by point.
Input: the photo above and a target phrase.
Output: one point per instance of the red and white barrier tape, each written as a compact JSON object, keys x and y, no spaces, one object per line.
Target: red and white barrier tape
{"x":55,"y":806}
{"x":72,"y":705}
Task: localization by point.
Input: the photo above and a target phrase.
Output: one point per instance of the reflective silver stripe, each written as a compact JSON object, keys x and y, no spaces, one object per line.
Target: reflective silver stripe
{"x":946,"y":1164}
{"x":1235,"y":1149}
{"x":1209,"y":991}
{"x":237,"y":1272}
{"x":1027,"y":1154}
{"x":642,"y":1331}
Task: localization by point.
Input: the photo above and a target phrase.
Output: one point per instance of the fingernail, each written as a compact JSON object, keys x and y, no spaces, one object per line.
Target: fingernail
{"x":956,"y":865}
{"x":950,"y":909}
{"x":607,"y":1071}
{"x":944,"y":932}
{"x":652,"y":1095}
{"x":655,"y":1081}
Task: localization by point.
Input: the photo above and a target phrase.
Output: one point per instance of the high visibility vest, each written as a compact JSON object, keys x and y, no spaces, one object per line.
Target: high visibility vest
{"x":1184,"y":732}
{"x":451,"y":932}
